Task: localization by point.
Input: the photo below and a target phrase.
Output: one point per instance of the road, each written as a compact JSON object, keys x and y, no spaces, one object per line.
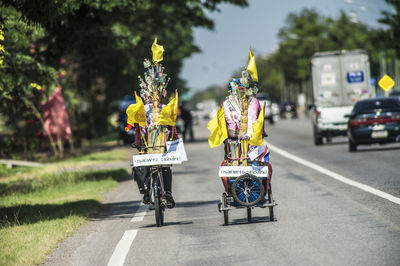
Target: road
{"x":319,"y":220}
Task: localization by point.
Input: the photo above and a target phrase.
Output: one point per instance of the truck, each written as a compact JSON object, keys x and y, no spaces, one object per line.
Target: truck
{"x":339,"y":80}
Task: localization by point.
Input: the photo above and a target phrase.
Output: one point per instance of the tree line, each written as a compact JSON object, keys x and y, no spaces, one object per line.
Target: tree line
{"x":286,"y":72}
{"x":94,"y":49}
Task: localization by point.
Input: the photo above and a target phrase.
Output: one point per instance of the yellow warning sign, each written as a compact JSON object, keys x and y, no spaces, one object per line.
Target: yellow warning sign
{"x":386,"y":83}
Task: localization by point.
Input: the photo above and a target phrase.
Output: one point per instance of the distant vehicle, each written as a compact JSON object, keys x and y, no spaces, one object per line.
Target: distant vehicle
{"x":395,"y":94}
{"x":374,"y":121}
{"x":340,"y":79}
{"x":288,"y":110}
{"x":268,"y":113}
{"x":126,"y":137}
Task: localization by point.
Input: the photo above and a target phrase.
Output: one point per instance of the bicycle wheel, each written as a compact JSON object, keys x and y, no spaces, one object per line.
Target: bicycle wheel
{"x":247,"y":190}
{"x":157,"y":201}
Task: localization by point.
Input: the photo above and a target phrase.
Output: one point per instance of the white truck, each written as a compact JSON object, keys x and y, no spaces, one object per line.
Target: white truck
{"x":340,"y":79}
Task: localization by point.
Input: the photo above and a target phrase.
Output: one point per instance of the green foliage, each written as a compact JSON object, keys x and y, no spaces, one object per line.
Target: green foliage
{"x":215,"y":93}
{"x":5,"y":171}
{"x":104,"y":42}
{"x":392,"y":20}
{"x":308,"y":32}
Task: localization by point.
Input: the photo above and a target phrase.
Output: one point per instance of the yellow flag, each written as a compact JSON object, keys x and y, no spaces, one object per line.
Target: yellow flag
{"x":136,"y":112}
{"x":258,"y":128}
{"x":158,"y":51}
{"x":167,"y":116}
{"x":217,"y":127}
{"x":251,"y":66}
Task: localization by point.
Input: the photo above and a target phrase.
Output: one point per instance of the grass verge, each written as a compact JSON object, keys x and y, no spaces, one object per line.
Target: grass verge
{"x":82,"y":161}
{"x":40,"y":214}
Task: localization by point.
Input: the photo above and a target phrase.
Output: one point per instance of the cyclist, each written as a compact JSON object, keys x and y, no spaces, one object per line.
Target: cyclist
{"x":142,"y":174}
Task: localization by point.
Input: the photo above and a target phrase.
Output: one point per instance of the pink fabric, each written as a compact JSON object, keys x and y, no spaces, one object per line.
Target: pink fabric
{"x":55,"y":116}
{"x":232,"y":116}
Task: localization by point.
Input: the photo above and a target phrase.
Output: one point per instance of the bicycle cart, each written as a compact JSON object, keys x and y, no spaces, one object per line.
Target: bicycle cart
{"x":247,"y":182}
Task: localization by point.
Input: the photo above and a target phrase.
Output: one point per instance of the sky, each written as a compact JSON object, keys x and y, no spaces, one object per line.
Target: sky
{"x":225,"y":49}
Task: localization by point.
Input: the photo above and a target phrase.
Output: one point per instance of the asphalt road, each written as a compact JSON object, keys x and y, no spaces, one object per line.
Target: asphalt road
{"x":319,"y":220}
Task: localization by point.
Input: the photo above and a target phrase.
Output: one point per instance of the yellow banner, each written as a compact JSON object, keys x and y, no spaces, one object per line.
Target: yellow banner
{"x":258,"y":129}
{"x":167,"y":116}
{"x":251,"y":66}
{"x":158,"y":51}
{"x":217,"y":127}
{"x":136,"y":112}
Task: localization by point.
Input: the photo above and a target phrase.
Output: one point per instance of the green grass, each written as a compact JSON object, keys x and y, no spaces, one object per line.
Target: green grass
{"x":98,"y":156}
{"x":40,"y":214}
{"x":5,"y":171}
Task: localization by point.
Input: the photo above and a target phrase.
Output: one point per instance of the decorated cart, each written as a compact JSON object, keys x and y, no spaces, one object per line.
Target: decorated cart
{"x":239,"y":125}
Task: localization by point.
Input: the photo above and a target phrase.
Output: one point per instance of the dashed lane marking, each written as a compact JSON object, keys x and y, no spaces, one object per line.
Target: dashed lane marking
{"x":140,"y":213}
{"x":336,"y":176}
{"x":122,"y":248}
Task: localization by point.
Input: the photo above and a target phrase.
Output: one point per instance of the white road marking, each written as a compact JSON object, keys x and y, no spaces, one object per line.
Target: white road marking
{"x":122,"y":249}
{"x":140,"y":213}
{"x":336,"y":176}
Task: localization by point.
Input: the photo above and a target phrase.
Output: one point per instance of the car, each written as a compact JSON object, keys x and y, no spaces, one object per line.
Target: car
{"x":374,"y":120}
{"x":268,"y":112}
{"x":288,"y":110}
{"x":127,"y":137}
{"x":395,"y":94}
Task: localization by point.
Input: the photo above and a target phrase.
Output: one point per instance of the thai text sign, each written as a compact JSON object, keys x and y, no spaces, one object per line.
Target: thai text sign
{"x":156,"y":159}
{"x":235,"y":171}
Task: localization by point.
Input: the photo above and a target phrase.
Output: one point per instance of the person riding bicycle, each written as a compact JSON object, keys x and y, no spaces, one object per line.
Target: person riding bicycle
{"x":154,"y":122}
{"x":143,"y":173}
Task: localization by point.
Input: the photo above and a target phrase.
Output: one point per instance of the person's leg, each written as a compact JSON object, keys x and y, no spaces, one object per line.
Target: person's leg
{"x":143,"y":182}
{"x":191,"y":132}
{"x":167,"y":179}
{"x":185,"y":131}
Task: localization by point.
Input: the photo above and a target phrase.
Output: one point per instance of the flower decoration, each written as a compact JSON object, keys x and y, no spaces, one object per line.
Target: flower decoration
{"x":154,"y":82}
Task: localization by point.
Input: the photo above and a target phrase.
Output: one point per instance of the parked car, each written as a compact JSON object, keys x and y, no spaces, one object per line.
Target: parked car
{"x":374,"y":121}
{"x":288,"y":110}
{"x":269,"y":112}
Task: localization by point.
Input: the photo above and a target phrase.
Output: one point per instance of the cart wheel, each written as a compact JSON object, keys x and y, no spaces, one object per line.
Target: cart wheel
{"x":226,"y":217}
{"x":247,"y":190}
{"x":248,"y":214}
{"x":270,"y":200}
{"x":225,"y":205}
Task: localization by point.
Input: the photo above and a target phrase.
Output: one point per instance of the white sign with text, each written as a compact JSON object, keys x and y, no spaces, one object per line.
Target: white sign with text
{"x":236,"y":171}
{"x":156,"y":159}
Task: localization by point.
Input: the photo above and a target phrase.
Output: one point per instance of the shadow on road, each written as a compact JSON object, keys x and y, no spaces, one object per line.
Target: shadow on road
{"x":168,"y":224}
{"x":254,"y":220}
{"x":192,"y":204}
{"x":116,"y":210}
{"x":381,"y":148}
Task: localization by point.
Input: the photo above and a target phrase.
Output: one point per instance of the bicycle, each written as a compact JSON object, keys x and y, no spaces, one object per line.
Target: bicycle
{"x":157,"y":193}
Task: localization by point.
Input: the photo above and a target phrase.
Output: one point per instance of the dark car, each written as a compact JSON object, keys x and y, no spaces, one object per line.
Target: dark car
{"x":288,"y":110}
{"x":126,"y":137}
{"x":374,"y":121}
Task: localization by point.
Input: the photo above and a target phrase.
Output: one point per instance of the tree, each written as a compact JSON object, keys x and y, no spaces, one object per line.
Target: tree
{"x":392,"y":20}
{"x":308,"y":32}
{"x":104,"y":43}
